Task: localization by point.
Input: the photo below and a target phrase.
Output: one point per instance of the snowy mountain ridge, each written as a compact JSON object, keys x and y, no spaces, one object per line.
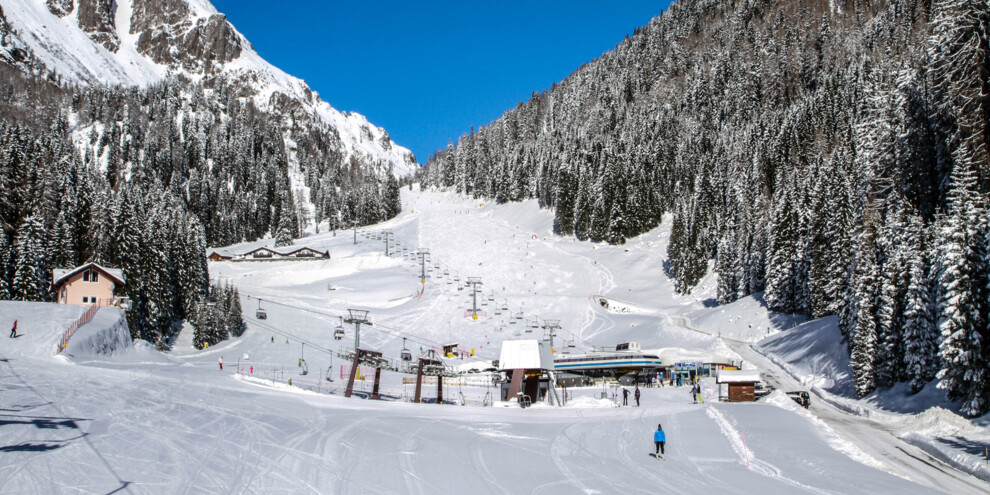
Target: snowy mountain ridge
{"x":141,"y":42}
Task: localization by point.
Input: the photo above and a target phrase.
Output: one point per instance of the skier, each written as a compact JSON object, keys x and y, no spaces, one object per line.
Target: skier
{"x":625,"y":397}
{"x":13,"y":330}
{"x":659,"y":439}
{"x":694,"y":393}
{"x":221,"y":363}
{"x":636,"y":395}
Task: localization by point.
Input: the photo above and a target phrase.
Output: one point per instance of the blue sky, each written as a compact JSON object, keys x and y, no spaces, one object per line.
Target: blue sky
{"x":427,"y":71}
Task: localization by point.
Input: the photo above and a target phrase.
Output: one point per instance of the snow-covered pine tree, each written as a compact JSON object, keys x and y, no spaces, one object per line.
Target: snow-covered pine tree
{"x":894,"y":280}
{"x":864,"y":339}
{"x":4,"y":265}
{"x":920,"y":332}
{"x":964,"y":293}
{"x":32,"y":274}
{"x":234,"y":320}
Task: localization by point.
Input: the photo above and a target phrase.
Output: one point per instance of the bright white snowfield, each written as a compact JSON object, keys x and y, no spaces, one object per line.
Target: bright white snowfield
{"x":140,"y":421}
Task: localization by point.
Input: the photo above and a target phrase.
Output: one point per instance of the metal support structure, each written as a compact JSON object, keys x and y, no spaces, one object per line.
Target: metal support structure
{"x":357,"y":317}
{"x":423,"y":253}
{"x":429,"y":366}
{"x":388,"y":239}
{"x":474,"y":282}
{"x":375,"y":360}
{"x":551,"y":326}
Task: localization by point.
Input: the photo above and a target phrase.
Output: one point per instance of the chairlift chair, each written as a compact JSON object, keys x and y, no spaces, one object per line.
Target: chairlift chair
{"x":261,"y":314}
{"x":406,"y":355}
{"x":338,"y":333}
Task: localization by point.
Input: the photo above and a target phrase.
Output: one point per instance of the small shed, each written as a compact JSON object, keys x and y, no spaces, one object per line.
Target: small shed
{"x":220,"y":255}
{"x":741,"y":384}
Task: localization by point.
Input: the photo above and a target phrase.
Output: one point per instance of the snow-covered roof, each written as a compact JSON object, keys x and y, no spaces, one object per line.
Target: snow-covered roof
{"x":60,"y":275}
{"x":738,"y":376}
{"x":525,"y":354}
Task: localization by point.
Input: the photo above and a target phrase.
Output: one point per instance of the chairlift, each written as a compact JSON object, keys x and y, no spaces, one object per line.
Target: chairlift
{"x":521,"y":315}
{"x":406,"y":355}
{"x":260,"y":313}
{"x":338,"y":333}
{"x":505,"y":306}
{"x":304,"y":366}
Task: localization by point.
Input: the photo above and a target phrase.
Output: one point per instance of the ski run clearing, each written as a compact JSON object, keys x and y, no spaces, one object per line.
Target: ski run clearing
{"x":110,"y":415}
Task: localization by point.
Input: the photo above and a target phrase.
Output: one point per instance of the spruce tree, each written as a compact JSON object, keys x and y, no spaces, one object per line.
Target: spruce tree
{"x":964,"y":294}
{"x":32,"y":274}
{"x":920,"y":331}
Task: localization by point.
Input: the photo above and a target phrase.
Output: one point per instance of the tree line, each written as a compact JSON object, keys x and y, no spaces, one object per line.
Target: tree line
{"x":832,"y":156}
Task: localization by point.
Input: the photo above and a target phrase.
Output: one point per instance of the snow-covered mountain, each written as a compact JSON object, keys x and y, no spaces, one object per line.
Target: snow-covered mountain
{"x":140,"y":42}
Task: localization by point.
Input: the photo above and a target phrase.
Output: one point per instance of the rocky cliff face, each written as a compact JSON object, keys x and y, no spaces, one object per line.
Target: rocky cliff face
{"x":60,"y":8}
{"x":142,"y":42}
{"x":96,"y":18}
{"x":169,"y":36}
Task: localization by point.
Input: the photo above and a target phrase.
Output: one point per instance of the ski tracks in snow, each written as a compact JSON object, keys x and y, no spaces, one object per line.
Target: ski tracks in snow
{"x":746,"y":455}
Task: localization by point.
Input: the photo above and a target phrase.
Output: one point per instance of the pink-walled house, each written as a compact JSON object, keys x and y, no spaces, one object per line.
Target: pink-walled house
{"x":88,"y":284}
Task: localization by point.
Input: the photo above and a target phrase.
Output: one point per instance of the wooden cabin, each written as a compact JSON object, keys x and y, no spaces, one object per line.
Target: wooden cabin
{"x":741,"y":385}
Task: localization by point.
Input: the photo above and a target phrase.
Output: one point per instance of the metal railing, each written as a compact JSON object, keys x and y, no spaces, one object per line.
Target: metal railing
{"x":84,"y":319}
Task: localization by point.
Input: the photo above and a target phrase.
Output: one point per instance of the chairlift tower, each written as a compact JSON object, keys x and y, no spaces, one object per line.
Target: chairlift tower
{"x":358,"y":317}
{"x":551,"y":327}
{"x":388,"y":239}
{"x":474,"y":282}
{"x":423,"y":254}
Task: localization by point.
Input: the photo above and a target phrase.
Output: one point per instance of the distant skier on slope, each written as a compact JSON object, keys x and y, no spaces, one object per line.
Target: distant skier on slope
{"x":221,"y":363}
{"x":13,"y":330}
{"x":694,"y":393}
{"x":636,"y":395}
{"x":659,"y":440}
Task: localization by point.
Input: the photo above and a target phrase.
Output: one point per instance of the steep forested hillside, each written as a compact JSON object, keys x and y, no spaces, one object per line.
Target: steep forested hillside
{"x":832,"y":154}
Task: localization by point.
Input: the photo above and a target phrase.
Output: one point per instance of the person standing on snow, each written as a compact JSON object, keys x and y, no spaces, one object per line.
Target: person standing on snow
{"x":659,"y":439}
{"x":221,"y":363}
{"x":625,"y":397}
{"x":13,"y":330}
{"x":636,"y":395}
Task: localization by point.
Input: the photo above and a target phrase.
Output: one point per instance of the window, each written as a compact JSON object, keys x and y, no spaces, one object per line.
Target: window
{"x":91,"y":276}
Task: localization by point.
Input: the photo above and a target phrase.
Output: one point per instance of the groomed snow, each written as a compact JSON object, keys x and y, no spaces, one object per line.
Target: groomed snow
{"x":179,"y":424}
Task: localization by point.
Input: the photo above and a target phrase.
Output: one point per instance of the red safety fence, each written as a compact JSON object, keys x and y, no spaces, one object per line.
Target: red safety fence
{"x":84,"y":319}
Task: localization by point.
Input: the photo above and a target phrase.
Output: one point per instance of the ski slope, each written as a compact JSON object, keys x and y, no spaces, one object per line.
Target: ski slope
{"x":139,"y":421}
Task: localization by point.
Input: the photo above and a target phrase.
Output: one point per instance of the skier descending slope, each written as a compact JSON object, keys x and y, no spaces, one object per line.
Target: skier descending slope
{"x":659,"y":440}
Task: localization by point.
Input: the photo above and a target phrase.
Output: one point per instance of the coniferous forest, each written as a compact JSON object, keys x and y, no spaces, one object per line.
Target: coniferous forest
{"x":831,"y":155}
{"x":144,"y":179}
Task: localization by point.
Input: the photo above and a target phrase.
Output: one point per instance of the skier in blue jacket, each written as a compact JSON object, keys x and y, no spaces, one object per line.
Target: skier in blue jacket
{"x":659,"y":439}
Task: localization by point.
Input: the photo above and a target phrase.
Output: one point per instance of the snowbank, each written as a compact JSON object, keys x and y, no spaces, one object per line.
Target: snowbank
{"x":106,"y":334}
